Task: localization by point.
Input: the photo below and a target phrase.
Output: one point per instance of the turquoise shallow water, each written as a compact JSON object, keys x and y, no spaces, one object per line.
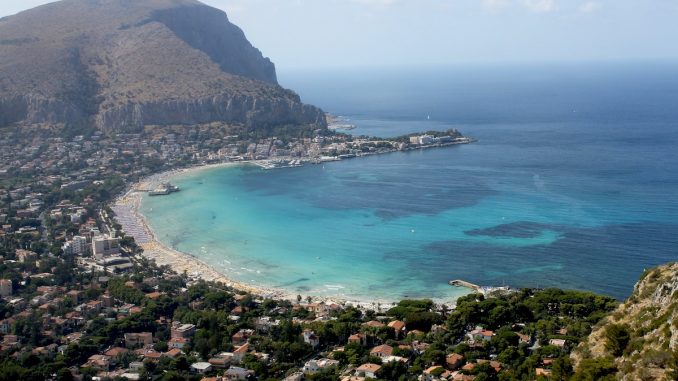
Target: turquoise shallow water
{"x":582,"y":200}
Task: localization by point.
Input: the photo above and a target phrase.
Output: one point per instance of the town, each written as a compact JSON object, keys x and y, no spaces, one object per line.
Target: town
{"x":80,"y":301}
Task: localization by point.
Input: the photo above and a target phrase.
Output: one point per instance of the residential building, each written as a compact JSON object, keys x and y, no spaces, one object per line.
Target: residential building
{"x":382,"y":351}
{"x":104,"y":246}
{"x":237,"y":373}
{"x":313,"y":366}
{"x":138,"y":339}
{"x":311,"y":338}
{"x":182,"y":330}
{"x":201,"y":367}
{"x":368,"y":370}
{"x":5,"y":287}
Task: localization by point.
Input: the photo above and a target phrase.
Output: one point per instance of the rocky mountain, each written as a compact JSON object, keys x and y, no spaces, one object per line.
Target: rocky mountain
{"x":638,"y":341}
{"x":123,"y":64}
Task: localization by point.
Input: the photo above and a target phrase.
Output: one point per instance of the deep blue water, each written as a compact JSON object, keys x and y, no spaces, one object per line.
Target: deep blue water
{"x":573,"y":183}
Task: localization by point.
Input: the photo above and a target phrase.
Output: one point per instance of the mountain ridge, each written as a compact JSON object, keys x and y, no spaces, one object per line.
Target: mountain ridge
{"x":122,"y":64}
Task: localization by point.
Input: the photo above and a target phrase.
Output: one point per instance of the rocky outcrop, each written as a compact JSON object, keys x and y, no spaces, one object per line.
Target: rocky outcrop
{"x":640,"y":338}
{"x":118,"y":65}
{"x":31,"y":109}
{"x":227,"y":46}
{"x":250,"y":111}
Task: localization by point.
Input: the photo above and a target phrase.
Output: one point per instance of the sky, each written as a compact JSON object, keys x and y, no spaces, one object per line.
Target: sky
{"x":299,"y":34}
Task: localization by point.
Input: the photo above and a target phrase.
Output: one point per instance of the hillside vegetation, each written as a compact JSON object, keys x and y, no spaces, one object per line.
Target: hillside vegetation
{"x":639,"y":340}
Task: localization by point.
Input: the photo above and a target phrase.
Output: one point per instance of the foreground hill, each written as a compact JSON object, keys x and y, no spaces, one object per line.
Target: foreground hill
{"x":122,"y":64}
{"x":639,"y":340}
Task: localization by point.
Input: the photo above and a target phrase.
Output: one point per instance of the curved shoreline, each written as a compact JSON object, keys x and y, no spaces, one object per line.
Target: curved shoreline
{"x":196,"y":268}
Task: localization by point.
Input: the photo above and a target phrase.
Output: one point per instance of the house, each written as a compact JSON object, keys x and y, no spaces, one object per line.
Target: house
{"x":48,"y":351}
{"x":178,"y":342}
{"x":201,"y":367}
{"x":420,"y":347}
{"x":237,"y":373}
{"x":311,"y":338}
{"x":149,"y":354}
{"x":115,"y":352}
{"x":469,"y":367}
{"x":494,"y":364}
{"x":5,"y":326}
{"x":222,"y":360}
{"x":313,"y":366}
{"x":479,"y":335}
{"x":374,"y":324}
{"x":542,"y":372}
{"x":25,"y":255}
{"x":382,"y":351}
{"x":75,"y":296}
{"x":240,"y":352}
{"x":138,"y":339}
{"x":368,"y":370}
{"x":438,"y":329}
{"x":432,"y":373}
{"x":265,"y":323}
{"x":154,"y":295}
{"x":557,"y":342}
{"x":5,"y":287}
{"x":523,"y":338}
{"x":399,"y":328}
{"x":173,"y":353}
{"x":100,"y":362}
{"x":463,"y":377}
{"x":241,"y":336}
{"x":454,"y":361}
{"x":388,"y":359}
{"x":182,"y":330}
{"x":92,"y":306}
{"x":358,"y":338}
{"x":10,"y":341}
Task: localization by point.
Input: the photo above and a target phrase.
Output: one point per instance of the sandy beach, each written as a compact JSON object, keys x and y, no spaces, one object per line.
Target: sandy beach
{"x":126,"y":208}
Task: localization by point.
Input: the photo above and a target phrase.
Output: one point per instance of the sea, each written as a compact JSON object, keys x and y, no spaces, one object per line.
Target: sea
{"x":573,"y":183}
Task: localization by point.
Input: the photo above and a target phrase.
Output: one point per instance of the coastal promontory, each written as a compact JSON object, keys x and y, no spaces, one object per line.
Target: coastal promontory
{"x":119,"y":65}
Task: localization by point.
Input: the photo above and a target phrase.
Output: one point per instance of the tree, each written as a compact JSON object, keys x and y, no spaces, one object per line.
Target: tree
{"x":64,"y":374}
{"x":596,"y":369}
{"x":617,"y":338}
{"x":561,"y":369}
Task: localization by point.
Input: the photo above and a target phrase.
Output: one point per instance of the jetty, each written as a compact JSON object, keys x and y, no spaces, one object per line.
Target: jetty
{"x":485,"y":290}
{"x":463,"y":283}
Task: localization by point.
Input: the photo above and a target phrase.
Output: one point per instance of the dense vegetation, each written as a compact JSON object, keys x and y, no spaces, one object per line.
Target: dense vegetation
{"x":544,"y":315}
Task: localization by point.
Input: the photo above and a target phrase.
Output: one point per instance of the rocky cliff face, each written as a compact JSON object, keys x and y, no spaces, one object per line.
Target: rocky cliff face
{"x":123,"y":64}
{"x":640,"y":338}
{"x":248,"y":110}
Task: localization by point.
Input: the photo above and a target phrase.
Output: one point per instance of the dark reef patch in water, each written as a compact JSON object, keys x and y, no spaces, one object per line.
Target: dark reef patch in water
{"x":522,"y":229}
{"x":620,"y":253}
{"x":391,"y":191}
{"x":292,"y":283}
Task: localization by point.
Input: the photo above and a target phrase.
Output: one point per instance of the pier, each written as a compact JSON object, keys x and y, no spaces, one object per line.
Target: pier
{"x":463,"y":283}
